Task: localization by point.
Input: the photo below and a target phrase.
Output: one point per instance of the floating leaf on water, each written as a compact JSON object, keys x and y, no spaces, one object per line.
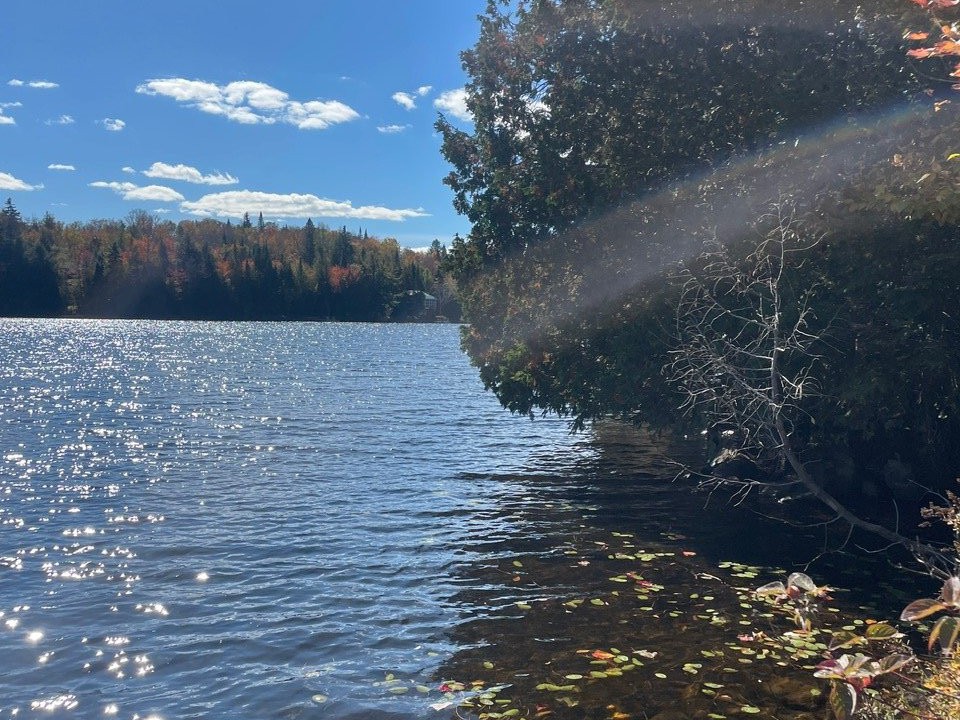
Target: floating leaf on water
{"x":662,"y":676}
{"x":524,"y":606}
{"x":488,"y":665}
{"x":750,"y":709}
{"x":517,"y":563}
{"x":319,"y":699}
{"x":573,"y":676}
{"x":597,"y":601}
{"x":399,"y":690}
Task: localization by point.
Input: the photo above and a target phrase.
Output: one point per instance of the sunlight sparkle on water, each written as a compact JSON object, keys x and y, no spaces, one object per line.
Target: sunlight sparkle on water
{"x":57,"y":702}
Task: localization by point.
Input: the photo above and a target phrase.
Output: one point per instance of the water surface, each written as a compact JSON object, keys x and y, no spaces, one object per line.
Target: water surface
{"x":204,"y":520}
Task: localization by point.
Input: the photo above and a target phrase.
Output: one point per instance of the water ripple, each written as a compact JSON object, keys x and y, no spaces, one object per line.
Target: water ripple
{"x":236,"y":520}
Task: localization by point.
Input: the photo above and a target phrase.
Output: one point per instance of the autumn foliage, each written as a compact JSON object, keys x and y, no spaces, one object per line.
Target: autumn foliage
{"x":204,"y":269}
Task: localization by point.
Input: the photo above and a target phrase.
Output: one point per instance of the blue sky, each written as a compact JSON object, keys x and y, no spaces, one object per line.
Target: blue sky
{"x":298,"y":109}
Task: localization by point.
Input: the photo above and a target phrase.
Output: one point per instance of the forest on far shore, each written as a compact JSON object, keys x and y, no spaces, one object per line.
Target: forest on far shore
{"x":142,"y":267}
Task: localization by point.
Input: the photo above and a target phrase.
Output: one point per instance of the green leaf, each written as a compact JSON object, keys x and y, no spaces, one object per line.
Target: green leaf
{"x":843,"y":700}
{"x":881,"y":631}
{"x":844,"y":639}
{"x":944,"y":632}
{"x":920,"y":609}
{"x":892,"y":663}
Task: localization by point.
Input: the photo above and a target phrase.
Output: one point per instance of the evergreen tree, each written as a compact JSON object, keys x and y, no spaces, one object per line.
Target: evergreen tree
{"x":309,"y":242}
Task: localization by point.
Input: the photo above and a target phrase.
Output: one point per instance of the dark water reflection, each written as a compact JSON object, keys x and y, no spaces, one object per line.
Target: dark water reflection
{"x":608,"y":528}
{"x":202,"y":520}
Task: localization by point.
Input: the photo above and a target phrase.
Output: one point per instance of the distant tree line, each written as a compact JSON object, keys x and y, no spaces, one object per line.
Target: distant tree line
{"x":142,"y":267}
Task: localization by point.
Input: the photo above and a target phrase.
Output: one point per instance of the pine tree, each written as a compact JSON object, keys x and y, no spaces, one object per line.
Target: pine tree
{"x":310,"y":242}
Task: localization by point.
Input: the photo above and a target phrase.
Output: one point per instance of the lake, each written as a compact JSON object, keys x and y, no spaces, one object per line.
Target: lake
{"x":260,"y":520}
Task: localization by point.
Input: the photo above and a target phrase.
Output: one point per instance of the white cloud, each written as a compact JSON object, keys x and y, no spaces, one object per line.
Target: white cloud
{"x":6,"y":119}
{"x":9,"y":182}
{"x":454,"y":102}
{"x":129,"y":191}
{"x":113,"y":124}
{"x":188,"y":174}
{"x":251,"y":103}
{"x":424,"y":90}
{"x":127,"y":169}
{"x":62,"y":120}
{"x":235,"y":203}
{"x":162,"y":211}
{"x":59,"y":166}
{"x":392,"y":129}
{"x":40,"y":84}
{"x":404,"y":100}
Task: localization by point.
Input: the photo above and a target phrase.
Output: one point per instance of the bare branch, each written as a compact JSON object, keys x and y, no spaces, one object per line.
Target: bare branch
{"x":745,"y":357}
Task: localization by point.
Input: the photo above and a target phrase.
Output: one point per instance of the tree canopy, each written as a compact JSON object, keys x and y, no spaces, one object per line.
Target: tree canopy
{"x":614,"y":139}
